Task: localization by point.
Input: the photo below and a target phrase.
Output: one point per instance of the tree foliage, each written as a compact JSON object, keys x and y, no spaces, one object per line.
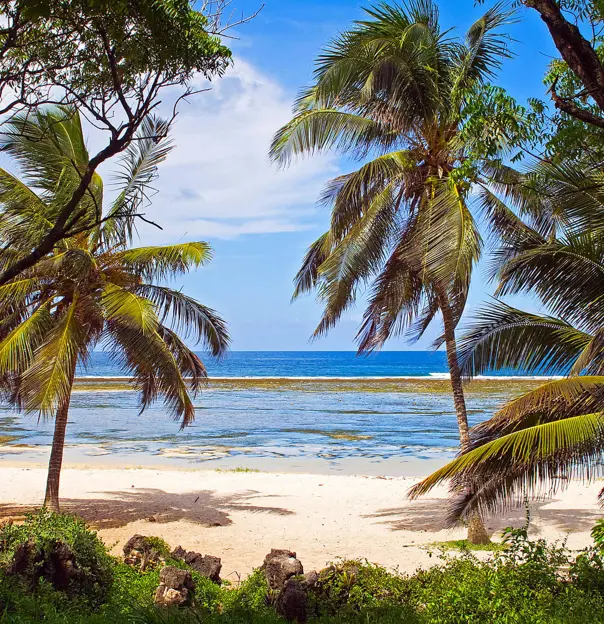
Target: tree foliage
{"x":539,"y":441}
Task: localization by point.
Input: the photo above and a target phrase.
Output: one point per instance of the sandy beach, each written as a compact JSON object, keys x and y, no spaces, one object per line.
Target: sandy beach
{"x":240,"y":516}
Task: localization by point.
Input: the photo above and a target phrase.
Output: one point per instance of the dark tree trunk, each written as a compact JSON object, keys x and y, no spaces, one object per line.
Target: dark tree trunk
{"x":477,"y":533}
{"x":51,"y":499}
{"x":579,"y":55}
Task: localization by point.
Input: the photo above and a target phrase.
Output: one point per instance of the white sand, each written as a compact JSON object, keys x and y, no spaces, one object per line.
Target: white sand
{"x":241,"y":516}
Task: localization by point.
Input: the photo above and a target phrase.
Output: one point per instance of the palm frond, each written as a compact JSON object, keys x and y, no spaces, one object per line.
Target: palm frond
{"x":318,"y":130}
{"x":525,"y":462}
{"x":164,"y":262}
{"x":188,"y":317}
{"x":134,"y":179}
{"x":504,"y":337}
{"x":48,"y":380}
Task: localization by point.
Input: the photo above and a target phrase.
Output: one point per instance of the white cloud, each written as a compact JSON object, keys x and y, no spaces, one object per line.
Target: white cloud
{"x":218,"y":181}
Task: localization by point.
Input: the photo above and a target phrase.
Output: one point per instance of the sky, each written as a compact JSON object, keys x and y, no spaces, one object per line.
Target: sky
{"x":218,"y":184}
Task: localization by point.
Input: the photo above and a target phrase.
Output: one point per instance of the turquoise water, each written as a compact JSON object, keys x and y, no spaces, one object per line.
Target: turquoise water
{"x":248,"y":423}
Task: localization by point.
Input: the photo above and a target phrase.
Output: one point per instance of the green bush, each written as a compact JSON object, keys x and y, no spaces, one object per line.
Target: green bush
{"x":44,"y":531}
{"x":351,"y":586}
{"x":527,"y":582}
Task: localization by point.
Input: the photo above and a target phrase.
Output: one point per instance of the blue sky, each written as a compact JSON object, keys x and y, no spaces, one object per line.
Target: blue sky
{"x":219,"y":186}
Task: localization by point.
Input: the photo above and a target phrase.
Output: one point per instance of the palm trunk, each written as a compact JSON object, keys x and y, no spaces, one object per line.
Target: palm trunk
{"x":477,"y":533}
{"x":51,"y":499}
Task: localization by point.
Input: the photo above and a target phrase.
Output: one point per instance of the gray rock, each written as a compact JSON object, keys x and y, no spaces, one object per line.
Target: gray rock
{"x":55,"y":564}
{"x":176,"y":588}
{"x":277,"y":552}
{"x":292,"y":601}
{"x":279,"y":566}
{"x":207,"y":565}
{"x":140,"y":553}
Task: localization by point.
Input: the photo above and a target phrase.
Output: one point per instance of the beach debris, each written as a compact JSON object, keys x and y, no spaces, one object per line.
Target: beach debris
{"x":176,"y":588}
{"x":56,"y":564}
{"x":279,"y":566}
{"x":206,"y":565}
{"x":143,"y":552}
{"x":292,"y":600}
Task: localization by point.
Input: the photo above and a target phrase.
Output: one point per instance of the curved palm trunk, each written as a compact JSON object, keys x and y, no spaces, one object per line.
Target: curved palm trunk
{"x":477,"y":533}
{"x":51,"y":498}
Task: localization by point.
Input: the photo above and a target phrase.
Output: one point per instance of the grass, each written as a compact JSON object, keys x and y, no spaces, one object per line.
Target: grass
{"x":463,"y":544}
{"x":238,"y":469}
{"x":6,"y":439}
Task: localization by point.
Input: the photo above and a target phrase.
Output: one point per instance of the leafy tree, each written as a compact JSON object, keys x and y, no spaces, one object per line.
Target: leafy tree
{"x":398,"y":90}
{"x":577,"y":80}
{"x":537,"y":441}
{"x":93,"y":288}
{"x":113,"y":59}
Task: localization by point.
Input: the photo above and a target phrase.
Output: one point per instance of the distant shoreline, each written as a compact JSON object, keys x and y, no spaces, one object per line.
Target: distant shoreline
{"x":430,"y":377}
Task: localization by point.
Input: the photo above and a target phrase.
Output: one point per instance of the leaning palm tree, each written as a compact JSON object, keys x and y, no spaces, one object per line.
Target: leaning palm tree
{"x":94,"y":288}
{"x":398,"y":89}
{"x":555,"y":432}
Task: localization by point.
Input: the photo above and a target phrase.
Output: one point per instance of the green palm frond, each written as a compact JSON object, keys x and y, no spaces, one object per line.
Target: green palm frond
{"x":591,"y":359}
{"x":355,"y":258}
{"x":504,"y":337}
{"x":318,"y":130}
{"x":568,"y":277}
{"x":129,"y":309}
{"x":18,"y":347}
{"x":533,"y":457}
{"x":156,"y":370}
{"x":48,"y":145}
{"x":189,"y":364}
{"x":485,"y":48}
{"x":164,"y":262}
{"x":308,"y":275}
{"x":137,"y":172}
{"x":48,"y":380}
{"x":188,"y":317}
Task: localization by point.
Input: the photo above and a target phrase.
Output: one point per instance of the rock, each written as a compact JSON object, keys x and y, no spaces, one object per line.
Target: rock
{"x":57,"y":564}
{"x":179,"y":553}
{"x":310,"y":579}
{"x":140,"y":553}
{"x":279,"y":566}
{"x":292,"y":600}
{"x":60,"y":567}
{"x":207,"y":565}
{"x":23,"y":557}
{"x":176,"y":588}
{"x":277,"y":552}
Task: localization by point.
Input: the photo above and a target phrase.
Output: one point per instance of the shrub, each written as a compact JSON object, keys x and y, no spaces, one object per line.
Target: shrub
{"x":43,"y":532}
{"x":597,"y":534}
{"x":351,"y":586}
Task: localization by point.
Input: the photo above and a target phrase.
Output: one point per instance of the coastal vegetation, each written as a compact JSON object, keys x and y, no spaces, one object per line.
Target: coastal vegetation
{"x":94,"y":288}
{"x":526,"y":581}
{"x":397,"y":87}
{"x":554,"y":430}
{"x":442,"y":152}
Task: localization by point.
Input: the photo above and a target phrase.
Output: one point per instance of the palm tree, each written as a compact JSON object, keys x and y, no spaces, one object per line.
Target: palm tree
{"x":536,"y":441}
{"x":399,"y":90}
{"x":94,"y":288}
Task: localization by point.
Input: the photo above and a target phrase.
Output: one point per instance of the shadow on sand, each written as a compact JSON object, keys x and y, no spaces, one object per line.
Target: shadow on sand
{"x":203,"y":507}
{"x":430,"y":515}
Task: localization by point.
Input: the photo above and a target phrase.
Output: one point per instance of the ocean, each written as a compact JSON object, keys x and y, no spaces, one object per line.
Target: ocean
{"x":297,"y":410}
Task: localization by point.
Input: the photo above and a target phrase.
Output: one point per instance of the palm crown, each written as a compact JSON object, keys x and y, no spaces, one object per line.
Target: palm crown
{"x":94,"y":288}
{"x":552,"y":245}
{"x":397,"y":88}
